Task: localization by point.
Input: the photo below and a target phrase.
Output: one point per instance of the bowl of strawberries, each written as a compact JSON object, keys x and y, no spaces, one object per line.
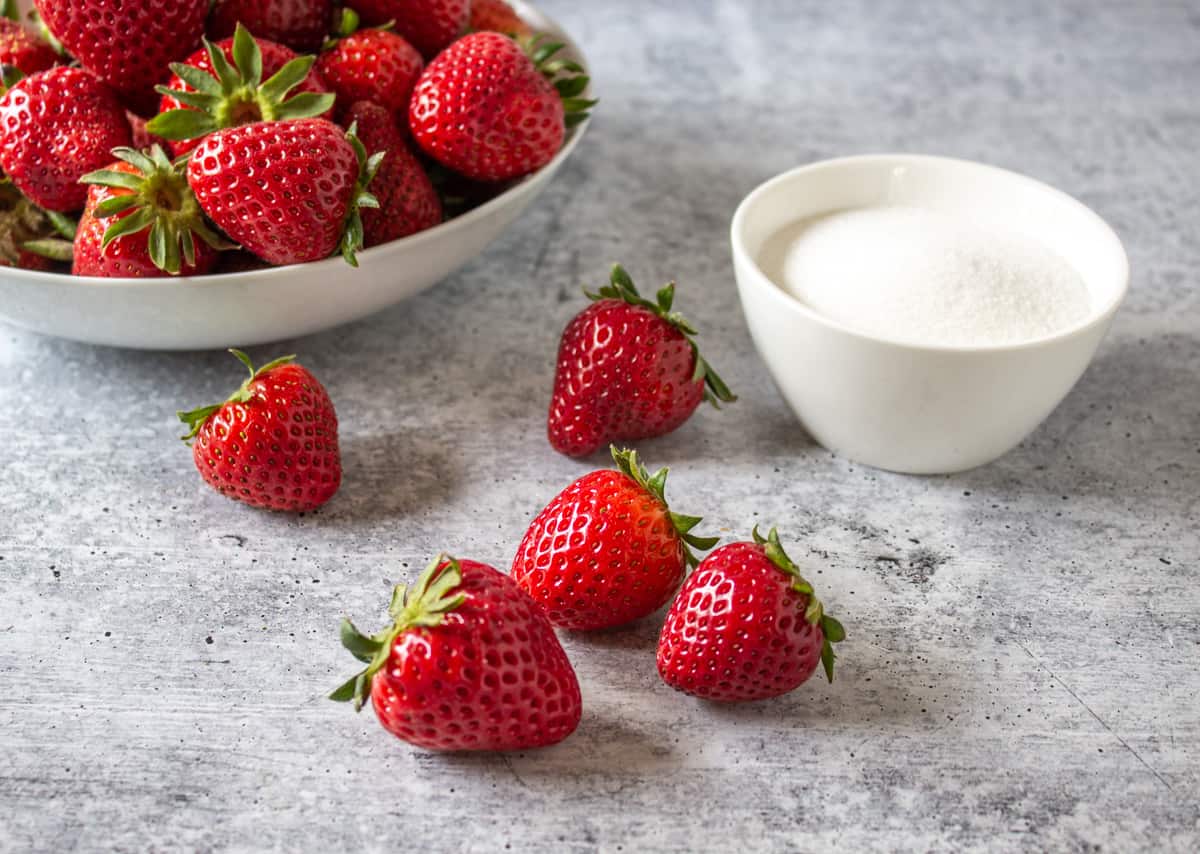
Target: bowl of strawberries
{"x":252,"y":170}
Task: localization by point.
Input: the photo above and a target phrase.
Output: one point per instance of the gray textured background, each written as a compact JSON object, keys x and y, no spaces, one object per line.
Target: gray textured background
{"x":1021,"y":671}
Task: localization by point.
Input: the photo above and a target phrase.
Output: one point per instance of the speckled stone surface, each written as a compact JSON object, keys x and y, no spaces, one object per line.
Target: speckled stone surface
{"x":1021,"y":671}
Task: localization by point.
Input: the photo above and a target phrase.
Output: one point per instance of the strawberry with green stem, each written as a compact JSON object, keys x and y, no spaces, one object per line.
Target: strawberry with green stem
{"x":31,"y":238}
{"x":369,"y":65}
{"x":223,"y":86}
{"x":746,"y":625}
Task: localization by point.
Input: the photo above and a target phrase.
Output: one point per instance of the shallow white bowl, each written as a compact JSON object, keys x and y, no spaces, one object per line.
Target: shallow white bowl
{"x":906,"y":407}
{"x":255,"y":307}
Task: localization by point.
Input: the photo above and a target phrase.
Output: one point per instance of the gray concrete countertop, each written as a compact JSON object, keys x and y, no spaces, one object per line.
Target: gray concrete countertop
{"x":1021,"y":670}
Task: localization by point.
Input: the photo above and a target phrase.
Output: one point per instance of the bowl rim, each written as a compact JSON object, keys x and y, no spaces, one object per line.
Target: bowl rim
{"x":1097,"y":316}
{"x":445,"y":229}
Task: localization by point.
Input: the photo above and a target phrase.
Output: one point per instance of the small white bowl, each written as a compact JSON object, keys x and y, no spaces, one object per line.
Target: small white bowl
{"x":259,"y":306}
{"x":913,"y":408}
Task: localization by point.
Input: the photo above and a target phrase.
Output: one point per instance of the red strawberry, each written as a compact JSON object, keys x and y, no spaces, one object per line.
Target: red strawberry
{"x":127,"y":44}
{"x":746,"y":626}
{"x":408,"y":203}
{"x":300,"y":24}
{"x":142,"y":220}
{"x":607,"y":550}
{"x":265,"y":82}
{"x":273,"y":443}
{"x":627,"y":369}
{"x":143,"y":140}
{"x":498,"y":17}
{"x":20,"y":47}
{"x":290,"y":192}
{"x":428,"y":25}
{"x":486,"y":109}
{"x":58,"y":125}
{"x":370,"y":65}
{"x":469,"y":663}
{"x":31,"y":238}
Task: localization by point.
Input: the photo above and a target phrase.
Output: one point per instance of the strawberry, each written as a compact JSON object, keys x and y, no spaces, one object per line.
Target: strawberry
{"x":126,"y":44}
{"x":498,"y":17}
{"x":265,"y":82}
{"x":428,"y":25}
{"x":468,"y":663}
{"x":607,"y":550}
{"x":408,"y":203}
{"x":488,"y":110}
{"x":58,"y":125}
{"x":746,"y":626}
{"x":627,"y":369}
{"x":142,"y":220}
{"x":20,"y":47}
{"x":300,"y":24}
{"x":143,"y":140}
{"x":370,"y":65}
{"x":290,"y":191}
{"x":273,"y":443}
{"x":31,"y":238}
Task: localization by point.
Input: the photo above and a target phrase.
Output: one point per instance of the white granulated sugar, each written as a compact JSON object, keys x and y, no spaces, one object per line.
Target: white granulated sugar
{"x":927,"y":277}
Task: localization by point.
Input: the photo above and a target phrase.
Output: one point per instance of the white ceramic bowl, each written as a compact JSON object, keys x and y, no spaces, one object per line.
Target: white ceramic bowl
{"x":240,"y":309}
{"x":905,"y":407}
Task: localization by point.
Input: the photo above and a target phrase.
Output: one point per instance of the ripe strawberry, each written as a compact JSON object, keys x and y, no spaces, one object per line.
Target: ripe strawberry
{"x":486,"y":109}
{"x":498,"y":17}
{"x":469,"y":663}
{"x":370,"y":65}
{"x":273,"y":443}
{"x":300,"y":24}
{"x":31,"y":238}
{"x":607,"y":550}
{"x":20,"y":47}
{"x":746,"y":626}
{"x":58,"y":125}
{"x":265,"y":83}
{"x":627,"y":369}
{"x":408,"y":202}
{"x":142,"y":220}
{"x":428,"y":25}
{"x":126,"y":44}
{"x":290,"y":191}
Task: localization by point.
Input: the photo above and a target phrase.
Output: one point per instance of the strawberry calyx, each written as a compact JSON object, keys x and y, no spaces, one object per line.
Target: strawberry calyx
{"x":159,"y":198}
{"x":628,"y":463}
{"x":196,"y":418}
{"x":368,"y":168}
{"x":26,"y":227}
{"x":621,"y":287}
{"x":567,"y":76}
{"x":233,"y":95}
{"x":814,"y":612}
{"x":348,"y":24}
{"x":423,"y":604}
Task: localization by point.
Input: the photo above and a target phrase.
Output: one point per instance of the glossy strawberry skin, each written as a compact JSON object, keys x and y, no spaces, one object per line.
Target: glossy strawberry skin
{"x":623,"y":374}
{"x":372,"y":65}
{"x":127,"y":256}
{"x":428,"y":25}
{"x":279,"y":449}
{"x":128,"y":44}
{"x":301,"y":25}
{"x":498,"y":17}
{"x":280,"y":189}
{"x":274,"y":57}
{"x":482,"y":109}
{"x":737,"y":630}
{"x":59,"y":125}
{"x":491,"y":676}
{"x":22,"y":49}
{"x":408,"y":202}
{"x":601,"y":554}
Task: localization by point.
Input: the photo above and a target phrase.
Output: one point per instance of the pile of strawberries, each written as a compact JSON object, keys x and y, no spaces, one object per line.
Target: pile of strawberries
{"x":191,"y":136}
{"x":470,"y":660}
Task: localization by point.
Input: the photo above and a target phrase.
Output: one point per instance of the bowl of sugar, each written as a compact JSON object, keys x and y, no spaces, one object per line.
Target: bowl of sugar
{"x":923,"y":314}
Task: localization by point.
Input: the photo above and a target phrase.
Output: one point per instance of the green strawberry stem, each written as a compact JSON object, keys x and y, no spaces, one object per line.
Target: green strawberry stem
{"x":628,"y":463}
{"x":195,"y":418}
{"x":236,"y":94}
{"x":368,"y":168}
{"x":814,"y":612}
{"x":566,"y":75}
{"x":423,"y":604}
{"x":621,"y":287}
